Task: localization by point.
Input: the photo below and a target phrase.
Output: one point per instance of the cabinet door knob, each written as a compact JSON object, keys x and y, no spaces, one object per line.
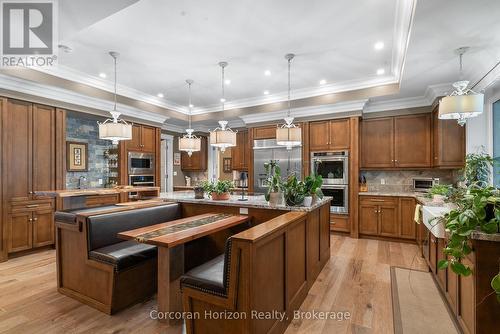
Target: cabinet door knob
{"x":35,"y":219}
{"x":30,"y":220}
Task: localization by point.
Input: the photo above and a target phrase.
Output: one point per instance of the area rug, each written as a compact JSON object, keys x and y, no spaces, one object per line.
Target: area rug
{"x":418,"y":305}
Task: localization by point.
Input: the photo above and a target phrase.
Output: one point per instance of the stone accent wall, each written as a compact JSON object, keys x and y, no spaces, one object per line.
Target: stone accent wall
{"x":83,"y":128}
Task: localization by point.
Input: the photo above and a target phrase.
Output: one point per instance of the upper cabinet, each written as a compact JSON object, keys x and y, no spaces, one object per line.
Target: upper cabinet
{"x":449,"y":142}
{"x":412,"y":141}
{"x":329,"y":135}
{"x":264,"y":132}
{"x":239,"y":153}
{"x":396,"y":142}
{"x":143,"y":139}
{"x":197,"y":161}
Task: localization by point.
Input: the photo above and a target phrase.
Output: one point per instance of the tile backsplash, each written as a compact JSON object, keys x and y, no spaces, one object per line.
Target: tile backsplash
{"x":83,"y":128}
{"x":403,"y":180}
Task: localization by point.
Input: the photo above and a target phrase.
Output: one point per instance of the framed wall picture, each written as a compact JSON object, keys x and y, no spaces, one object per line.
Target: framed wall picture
{"x":227,"y":165}
{"x":177,"y":159}
{"x":76,"y":156}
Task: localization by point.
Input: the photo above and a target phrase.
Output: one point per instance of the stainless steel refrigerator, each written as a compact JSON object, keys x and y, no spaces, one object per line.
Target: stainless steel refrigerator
{"x":290,"y":161}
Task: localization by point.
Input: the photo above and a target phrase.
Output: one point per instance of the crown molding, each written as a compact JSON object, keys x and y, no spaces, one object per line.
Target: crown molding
{"x":403,"y":23}
{"x":304,"y":112}
{"x":67,"y":96}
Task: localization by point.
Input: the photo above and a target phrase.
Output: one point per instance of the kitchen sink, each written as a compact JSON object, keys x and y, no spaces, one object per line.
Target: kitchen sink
{"x":431,"y":219}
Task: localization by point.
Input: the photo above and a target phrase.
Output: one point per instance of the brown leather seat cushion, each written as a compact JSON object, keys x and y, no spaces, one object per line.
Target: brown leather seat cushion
{"x":124,"y":254}
{"x":208,"y":277}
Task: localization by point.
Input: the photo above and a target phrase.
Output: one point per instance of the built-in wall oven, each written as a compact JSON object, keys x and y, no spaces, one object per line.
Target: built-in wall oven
{"x":141,"y":163}
{"x":340,"y":197}
{"x":334,"y":168}
{"x":141,"y":180}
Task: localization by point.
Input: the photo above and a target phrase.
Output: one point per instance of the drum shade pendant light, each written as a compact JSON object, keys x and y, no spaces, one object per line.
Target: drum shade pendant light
{"x":222,"y":136}
{"x":289,"y":134}
{"x":115,"y":129}
{"x":463,"y":102}
{"x":189,"y":143}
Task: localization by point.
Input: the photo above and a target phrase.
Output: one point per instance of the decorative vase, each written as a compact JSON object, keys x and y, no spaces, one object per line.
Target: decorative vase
{"x":308,"y":200}
{"x":199,"y":193}
{"x":220,"y":197}
{"x":275,"y":199}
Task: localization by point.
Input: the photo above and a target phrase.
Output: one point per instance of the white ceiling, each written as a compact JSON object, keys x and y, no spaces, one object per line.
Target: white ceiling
{"x":162,"y":43}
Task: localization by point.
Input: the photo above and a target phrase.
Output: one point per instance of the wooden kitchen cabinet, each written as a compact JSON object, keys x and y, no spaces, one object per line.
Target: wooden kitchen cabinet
{"x":340,"y":223}
{"x":143,"y":139}
{"x":377,"y":143}
{"x":29,"y":165}
{"x":449,"y":142}
{"x":368,"y":218}
{"x":19,"y":231}
{"x":43,"y":227}
{"x":467,"y":299}
{"x":388,"y":220}
{"x":239,"y":153}
{"x":407,"y":214}
{"x":396,"y":142}
{"x":264,"y":132}
{"x":433,"y":253}
{"x":197,"y":161}
{"x":412,"y":141}
{"x":329,"y":135}
{"x":440,"y":273}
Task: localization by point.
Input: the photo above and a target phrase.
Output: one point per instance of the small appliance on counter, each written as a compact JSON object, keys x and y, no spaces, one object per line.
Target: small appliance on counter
{"x":424,"y":184}
{"x":188,"y":181}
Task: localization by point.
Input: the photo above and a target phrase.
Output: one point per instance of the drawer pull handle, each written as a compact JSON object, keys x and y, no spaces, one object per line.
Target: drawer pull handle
{"x":377,"y":200}
{"x":32,"y":206}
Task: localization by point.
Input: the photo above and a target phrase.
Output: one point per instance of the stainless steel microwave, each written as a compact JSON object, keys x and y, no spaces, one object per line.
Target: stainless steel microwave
{"x":423,"y":184}
{"x":332,"y":166}
{"x":141,"y":163}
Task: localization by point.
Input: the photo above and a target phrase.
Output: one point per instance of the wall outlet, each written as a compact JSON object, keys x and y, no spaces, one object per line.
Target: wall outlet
{"x":382,"y":181}
{"x":243,"y":211}
{"x":175,"y":173}
{"x":100,"y":181}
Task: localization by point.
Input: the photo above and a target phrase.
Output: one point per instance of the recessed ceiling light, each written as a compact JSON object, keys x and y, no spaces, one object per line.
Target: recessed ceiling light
{"x":191,"y":106}
{"x":102,"y":75}
{"x":380,"y":71}
{"x":266,"y":92}
{"x":267,"y":73}
{"x":322,"y":82}
{"x":227,"y":82}
{"x":160,"y":95}
{"x":379,"y":45}
{"x":223,"y":99}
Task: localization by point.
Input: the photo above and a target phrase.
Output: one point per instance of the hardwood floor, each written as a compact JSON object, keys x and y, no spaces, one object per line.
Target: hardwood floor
{"x":355,"y":280}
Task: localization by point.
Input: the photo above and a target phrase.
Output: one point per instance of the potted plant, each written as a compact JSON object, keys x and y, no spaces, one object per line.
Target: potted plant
{"x":294,"y":191}
{"x":274,"y":193}
{"x":439,"y":192}
{"x":312,"y":187}
{"x":218,"y":190}
{"x":477,"y":209}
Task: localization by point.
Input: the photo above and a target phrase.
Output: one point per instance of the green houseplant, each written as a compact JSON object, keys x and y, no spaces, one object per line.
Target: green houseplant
{"x":439,"y":192}
{"x":294,"y":191}
{"x":218,"y":190}
{"x":274,"y":194}
{"x":312,"y":189}
{"x":478,"y":209}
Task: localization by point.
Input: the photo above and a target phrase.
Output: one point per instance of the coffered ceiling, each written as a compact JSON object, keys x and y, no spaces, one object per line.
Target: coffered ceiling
{"x":164,"y":42}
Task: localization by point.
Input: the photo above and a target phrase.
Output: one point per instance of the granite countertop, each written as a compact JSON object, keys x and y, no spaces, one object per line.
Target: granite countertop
{"x":95,"y":191}
{"x":254,"y":201}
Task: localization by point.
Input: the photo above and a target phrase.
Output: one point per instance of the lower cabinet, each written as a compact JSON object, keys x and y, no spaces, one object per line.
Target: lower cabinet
{"x":30,"y":228}
{"x":340,"y":223}
{"x":467,"y":299}
{"x":386,"y":216}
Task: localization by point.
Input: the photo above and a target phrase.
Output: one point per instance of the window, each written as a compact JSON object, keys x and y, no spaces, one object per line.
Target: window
{"x":496,"y":142}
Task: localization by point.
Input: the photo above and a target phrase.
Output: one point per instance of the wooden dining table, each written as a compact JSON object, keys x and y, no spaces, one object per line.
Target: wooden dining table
{"x":170,"y":238}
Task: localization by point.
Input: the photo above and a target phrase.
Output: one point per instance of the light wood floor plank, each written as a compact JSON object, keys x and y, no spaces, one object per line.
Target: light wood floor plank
{"x":355,"y":280}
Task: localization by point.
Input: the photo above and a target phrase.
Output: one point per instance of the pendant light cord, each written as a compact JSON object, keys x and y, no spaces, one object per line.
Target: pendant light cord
{"x":289,"y":86}
{"x":114,"y":107}
{"x":223,"y":90}
{"x":189,"y":116}
{"x":487,"y":73}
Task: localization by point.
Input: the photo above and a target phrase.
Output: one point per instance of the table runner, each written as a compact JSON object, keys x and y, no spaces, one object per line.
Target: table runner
{"x":180,"y":227}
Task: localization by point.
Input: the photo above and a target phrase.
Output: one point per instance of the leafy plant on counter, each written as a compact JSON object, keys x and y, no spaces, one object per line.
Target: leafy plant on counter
{"x":440,"y":189}
{"x":312,"y":185}
{"x":478,"y":210}
{"x":477,"y":169}
{"x":294,"y":191}
{"x":219,"y":187}
{"x":274,"y":181}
